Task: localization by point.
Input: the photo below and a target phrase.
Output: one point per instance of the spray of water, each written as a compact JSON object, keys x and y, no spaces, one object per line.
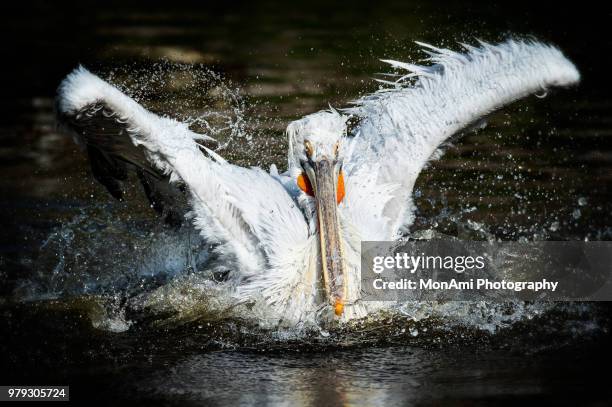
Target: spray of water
{"x":128,"y":269}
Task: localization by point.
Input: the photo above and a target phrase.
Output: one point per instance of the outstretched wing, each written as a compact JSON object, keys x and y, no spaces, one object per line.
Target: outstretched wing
{"x":403,"y":126}
{"x":100,"y":119}
{"x":246,"y":212}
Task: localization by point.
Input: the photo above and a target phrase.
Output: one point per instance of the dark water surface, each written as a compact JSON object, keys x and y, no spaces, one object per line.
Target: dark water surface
{"x":72,"y":260}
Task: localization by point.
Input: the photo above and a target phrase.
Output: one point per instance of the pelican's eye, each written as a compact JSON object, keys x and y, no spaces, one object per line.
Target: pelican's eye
{"x":309,"y":149}
{"x":336,"y":148}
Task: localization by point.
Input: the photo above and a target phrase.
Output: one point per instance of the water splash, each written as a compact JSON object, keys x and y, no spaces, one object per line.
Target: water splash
{"x":138,"y":274}
{"x":128,"y":272}
{"x":193,"y":94}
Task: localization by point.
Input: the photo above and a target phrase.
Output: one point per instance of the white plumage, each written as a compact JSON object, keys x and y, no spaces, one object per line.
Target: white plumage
{"x":408,"y":122}
{"x":269,"y":232}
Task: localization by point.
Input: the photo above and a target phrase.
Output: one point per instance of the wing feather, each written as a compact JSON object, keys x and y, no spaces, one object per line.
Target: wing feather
{"x":406,"y":123}
{"x":246,"y":212}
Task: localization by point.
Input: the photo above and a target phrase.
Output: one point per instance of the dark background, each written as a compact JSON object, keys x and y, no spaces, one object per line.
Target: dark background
{"x":45,"y":40}
{"x":291,"y":58}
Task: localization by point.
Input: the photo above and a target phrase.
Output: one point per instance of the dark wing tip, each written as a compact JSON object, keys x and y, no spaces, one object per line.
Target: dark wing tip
{"x":105,"y":137}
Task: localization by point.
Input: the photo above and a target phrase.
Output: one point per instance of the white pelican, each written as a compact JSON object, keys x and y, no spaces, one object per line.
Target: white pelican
{"x":293,"y":239}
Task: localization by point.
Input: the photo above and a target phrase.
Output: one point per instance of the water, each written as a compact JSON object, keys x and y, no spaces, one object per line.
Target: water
{"x":97,"y":294}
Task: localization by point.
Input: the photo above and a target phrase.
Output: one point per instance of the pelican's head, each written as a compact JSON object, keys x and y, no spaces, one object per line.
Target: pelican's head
{"x":315,"y":157}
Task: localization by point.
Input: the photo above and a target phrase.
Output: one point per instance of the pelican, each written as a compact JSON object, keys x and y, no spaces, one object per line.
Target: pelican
{"x":292,"y":240}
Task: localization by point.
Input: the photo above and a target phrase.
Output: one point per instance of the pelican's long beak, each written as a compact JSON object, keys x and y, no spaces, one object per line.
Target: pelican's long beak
{"x":328,"y":188}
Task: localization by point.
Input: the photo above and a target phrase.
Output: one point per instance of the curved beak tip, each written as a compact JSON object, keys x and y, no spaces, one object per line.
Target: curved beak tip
{"x":339,"y":307}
